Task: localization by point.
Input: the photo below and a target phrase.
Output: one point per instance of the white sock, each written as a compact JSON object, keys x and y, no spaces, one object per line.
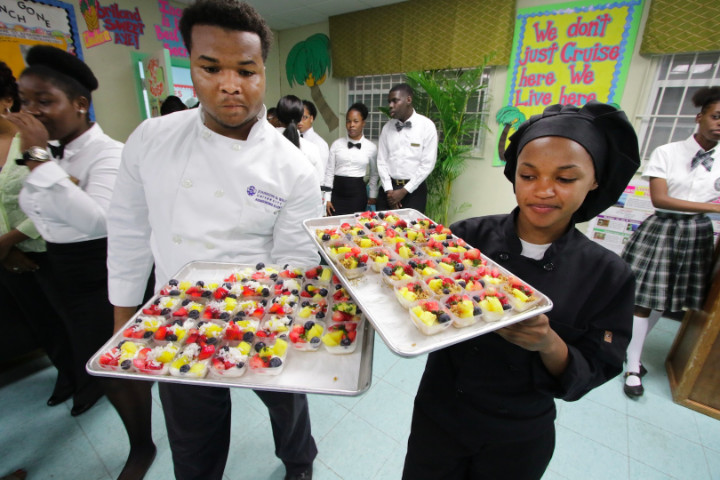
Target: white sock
{"x":641,"y":328}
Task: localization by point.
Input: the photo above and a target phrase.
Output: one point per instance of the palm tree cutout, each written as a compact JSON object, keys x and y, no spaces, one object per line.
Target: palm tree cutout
{"x":308,"y":63}
{"x":511,"y":117}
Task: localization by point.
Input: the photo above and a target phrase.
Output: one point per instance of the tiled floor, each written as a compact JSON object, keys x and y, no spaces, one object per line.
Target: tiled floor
{"x":603,"y":436}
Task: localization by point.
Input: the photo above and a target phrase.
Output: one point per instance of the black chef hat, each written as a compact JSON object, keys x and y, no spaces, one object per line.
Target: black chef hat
{"x":603,"y":130}
{"x":63,"y":67}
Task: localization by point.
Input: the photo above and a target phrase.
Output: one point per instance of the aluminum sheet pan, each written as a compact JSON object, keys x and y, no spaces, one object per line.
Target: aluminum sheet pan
{"x":304,"y":372}
{"x":390,"y":319}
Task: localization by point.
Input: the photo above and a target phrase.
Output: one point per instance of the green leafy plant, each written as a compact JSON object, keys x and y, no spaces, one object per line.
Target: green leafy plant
{"x":443,"y":96}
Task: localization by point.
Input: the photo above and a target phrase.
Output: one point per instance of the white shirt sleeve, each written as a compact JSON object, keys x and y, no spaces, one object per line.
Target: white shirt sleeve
{"x":383,"y":154}
{"x":427,"y":158}
{"x":374,"y":176}
{"x":130,"y":259}
{"x":330,"y":168}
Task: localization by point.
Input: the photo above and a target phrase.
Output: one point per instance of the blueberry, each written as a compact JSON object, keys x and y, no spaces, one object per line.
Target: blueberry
{"x":185,"y":368}
{"x":248,"y":337}
{"x":413,"y":222}
{"x":446,"y":243}
{"x":507,"y":306}
{"x":326,"y":237}
{"x":259,"y":266}
{"x":138,"y":320}
{"x":338,"y":286}
{"x":224,"y":316}
{"x":387,"y":270}
{"x":459,"y":267}
{"x":173,"y":282}
{"x":240,"y":315}
{"x":345,"y":342}
{"x":212,"y":340}
{"x":165,"y":311}
{"x":309,"y":324}
{"x":259,"y":346}
{"x":273,"y":276}
{"x":476,"y":311}
{"x":156,"y":302}
{"x":265,"y":292}
{"x":171,"y":337}
{"x":263,"y":302}
{"x":200,"y":324}
{"x":462,"y":283}
{"x":240,"y":365}
{"x":320,"y":315}
{"x":225,"y":348}
{"x":286,"y":266}
{"x":294,"y":291}
{"x":482,"y":282}
{"x":178,"y":322}
{"x":446,"y":291}
{"x":412,"y":263}
{"x":200,"y":283}
{"x":232,"y":295}
{"x":443,"y":318}
{"x":324,"y":291}
{"x":381,"y":215}
{"x":147,"y":334}
{"x":279,"y":282}
{"x":360,"y":264}
{"x":194,"y":314}
{"x":291,"y":304}
{"x":315,"y":340}
{"x":121,"y":343}
{"x":477,"y":298}
{"x":186,"y":301}
{"x":126,"y":364}
{"x":358,"y":311}
{"x":206,"y":293}
{"x":305,"y":303}
{"x":275,"y":362}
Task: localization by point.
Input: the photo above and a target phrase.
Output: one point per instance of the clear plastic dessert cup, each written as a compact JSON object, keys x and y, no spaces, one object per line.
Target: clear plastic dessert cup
{"x":143,"y":328}
{"x":340,"y":338}
{"x":321,"y":274}
{"x":230,"y":361}
{"x":174,"y":331}
{"x":120,"y":358}
{"x":155,"y":360}
{"x":494,"y":304}
{"x":397,"y":272}
{"x":520,"y":295}
{"x":441,"y":285}
{"x":312,"y":310}
{"x":378,"y":257}
{"x":345,"y":312}
{"x":192,"y":361}
{"x":430,"y":317}
{"x":306,"y":336}
{"x":164,"y":305}
{"x":268,"y":356}
{"x":410,"y":293}
{"x":463,"y":309}
{"x":241,"y":329}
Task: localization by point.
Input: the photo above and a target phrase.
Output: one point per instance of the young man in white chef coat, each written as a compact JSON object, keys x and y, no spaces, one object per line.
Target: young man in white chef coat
{"x":216,"y":183}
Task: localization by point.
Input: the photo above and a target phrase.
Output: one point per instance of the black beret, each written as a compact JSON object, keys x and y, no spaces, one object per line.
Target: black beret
{"x":603,"y":130}
{"x":62,"y":62}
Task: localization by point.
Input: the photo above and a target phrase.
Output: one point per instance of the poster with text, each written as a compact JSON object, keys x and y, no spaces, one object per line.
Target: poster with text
{"x":24,"y":23}
{"x":567,"y":53}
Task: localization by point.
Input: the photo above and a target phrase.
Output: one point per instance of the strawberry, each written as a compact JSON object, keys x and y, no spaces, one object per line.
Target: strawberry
{"x":152,"y":310}
{"x":257,"y":362}
{"x":220,"y":293}
{"x":338,"y":316}
{"x":313,"y":272}
{"x":351,"y":335}
{"x":206,"y":351}
{"x":160,"y":333}
{"x":180,"y":312}
{"x":218,"y":364}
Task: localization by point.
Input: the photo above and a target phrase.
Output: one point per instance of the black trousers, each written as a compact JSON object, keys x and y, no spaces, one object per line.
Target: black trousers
{"x":349,"y":195}
{"x":415,"y":200}
{"x":198,"y":422}
{"x":28,"y":293}
{"x":435,"y":454}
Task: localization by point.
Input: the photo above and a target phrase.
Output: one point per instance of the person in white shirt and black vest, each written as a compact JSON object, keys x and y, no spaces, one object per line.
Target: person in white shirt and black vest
{"x":407,"y":152}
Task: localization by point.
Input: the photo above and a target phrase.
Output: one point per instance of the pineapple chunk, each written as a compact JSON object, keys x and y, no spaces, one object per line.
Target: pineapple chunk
{"x":520,"y":295}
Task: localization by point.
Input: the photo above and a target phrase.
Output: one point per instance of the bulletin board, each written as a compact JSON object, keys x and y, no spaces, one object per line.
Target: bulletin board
{"x":24,"y":23}
{"x":569,"y":54}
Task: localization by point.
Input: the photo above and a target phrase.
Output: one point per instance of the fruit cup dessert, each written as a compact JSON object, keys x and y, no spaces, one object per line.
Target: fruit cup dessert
{"x":120,"y":358}
{"x":473,"y":259}
{"x":353,"y":264}
{"x":352,"y":230}
{"x":391,"y":236}
{"x":287,"y":286}
{"x":220,"y":310}
{"x":408,"y":294}
{"x":283,"y":304}
{"x":175,"y":288}
{"x":425,"y":267}
{"x":463,"y":310}
{"x":456,"y":245}
{"x":340,"y":294}
{"x":406,"y":251}
{"x":320,"y":274}
{"x":254,"y":289}
{"x":440,"y":233}
{"x":192,"y":361}
{"x":368,"y":216}
{"x":251,"y":308}
{"x":268,"y":356}
{"x":492,"y":276}
{"x":314,"y":291}
{"x":155,"y":361}
{"x":264,"y":273}
{"x":336,"y":248}
{"x":443,"y":285}
{"x":430,"y":317}
{"x":327,"y":234}
{"x":189,"y":309}
{"x":174,"y":331}
{"x":305,"y":336}
{"x":378,"y":257}
{"x":312,"y":310}
{"x":340,"y":338}
{"x":470,"y":282}
{"x":206,"y":333}
{"x":397,"y":272}
{"x":275,"y":326}
{"x":346,"y":312}
{"x":393,"y":219}
{"x":434,"y":248}
{"x":366,"y":241}
{"x":416,"y":236}
{"x":451,"y":264}
{"x":422,"y":224}
{"x":494,"y":304}
{"x":520,"y":295}
{"x":230,"y":361}
{"x":199,"y":292}
{"x":143,"y":327}
{"x":291,"y":272}
{"x":163,"y":306}
{"x":241,"y":329}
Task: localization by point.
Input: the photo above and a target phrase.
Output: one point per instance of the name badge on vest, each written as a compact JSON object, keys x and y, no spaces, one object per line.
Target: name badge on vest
{"x":414,"y":144}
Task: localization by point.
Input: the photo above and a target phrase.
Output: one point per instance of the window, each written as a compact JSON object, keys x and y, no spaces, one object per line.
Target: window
{"x":372,"y":90}
{"x":670,"y":115}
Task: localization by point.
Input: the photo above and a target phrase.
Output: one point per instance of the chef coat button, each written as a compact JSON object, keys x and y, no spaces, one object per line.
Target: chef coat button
{"x":236,"y":146}
{"x":460,"y":391}
{"x":209,"y":245}
{"x":177,"y":239}
{"x":206,"y":134}
{"x":219,"y":193}
{"x":503,"y":256}
{"x":549,"y":267}
{"x":187,"y":183}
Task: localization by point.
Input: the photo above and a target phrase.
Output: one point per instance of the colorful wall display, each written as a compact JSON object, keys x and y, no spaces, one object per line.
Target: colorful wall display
{"x":125,"y":25}
{"x":168,"y":32}
{"x":570,"y":54}
{"x":93,"y":36}
{"x":24,"y":23}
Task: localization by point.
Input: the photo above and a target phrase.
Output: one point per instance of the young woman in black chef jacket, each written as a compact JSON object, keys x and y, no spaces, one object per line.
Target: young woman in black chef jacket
{"x":485,"y":407}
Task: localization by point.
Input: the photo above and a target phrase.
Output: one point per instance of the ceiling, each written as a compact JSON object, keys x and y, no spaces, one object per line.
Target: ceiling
{"x":284,"y":14}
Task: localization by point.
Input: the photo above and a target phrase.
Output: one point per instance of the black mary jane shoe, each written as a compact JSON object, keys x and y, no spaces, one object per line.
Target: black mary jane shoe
{"x":633,"y":391}
{"x":63,"y":391}
{"x":643,"y":370}
{"x":305,"y":475}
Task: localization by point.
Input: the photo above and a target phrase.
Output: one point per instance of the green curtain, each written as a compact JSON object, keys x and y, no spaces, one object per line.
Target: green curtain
{"x":682,"y":26}
{"x":422,"y":35}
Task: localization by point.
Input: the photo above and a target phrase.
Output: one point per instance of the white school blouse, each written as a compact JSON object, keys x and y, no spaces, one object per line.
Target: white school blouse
{"x":353,"y":162}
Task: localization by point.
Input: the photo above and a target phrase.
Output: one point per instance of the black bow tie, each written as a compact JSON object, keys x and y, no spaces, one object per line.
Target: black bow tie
{"x":400,"y":125}
{"x":703,"y":157}
{"x":57,"y":150}
{"x":351,"y":145}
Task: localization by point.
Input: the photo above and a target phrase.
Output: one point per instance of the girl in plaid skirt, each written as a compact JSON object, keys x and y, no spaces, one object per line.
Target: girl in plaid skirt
{"x":671,"y":252}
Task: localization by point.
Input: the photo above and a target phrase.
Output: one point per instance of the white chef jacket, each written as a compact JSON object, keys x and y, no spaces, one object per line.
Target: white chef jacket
{"x":187,"y":193}
{"x":62,"y":211}
{"x":312,"y":152}
{"x":672,"y":162}
{"x":407,"y":154}
{"x":312,"y":136}
{"x":353,"y":162}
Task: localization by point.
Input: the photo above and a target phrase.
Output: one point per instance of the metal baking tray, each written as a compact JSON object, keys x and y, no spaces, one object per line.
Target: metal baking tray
{"x":304,"y":372}
{"x":390,"y":319}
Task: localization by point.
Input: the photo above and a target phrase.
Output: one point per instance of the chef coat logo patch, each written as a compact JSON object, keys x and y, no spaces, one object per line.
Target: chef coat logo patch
{"x":251,"y":190}
{"x":717,"y":184}
{"x":267,"y":198}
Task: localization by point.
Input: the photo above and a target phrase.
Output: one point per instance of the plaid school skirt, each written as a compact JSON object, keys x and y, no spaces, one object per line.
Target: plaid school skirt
{"x":671,"y":256}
